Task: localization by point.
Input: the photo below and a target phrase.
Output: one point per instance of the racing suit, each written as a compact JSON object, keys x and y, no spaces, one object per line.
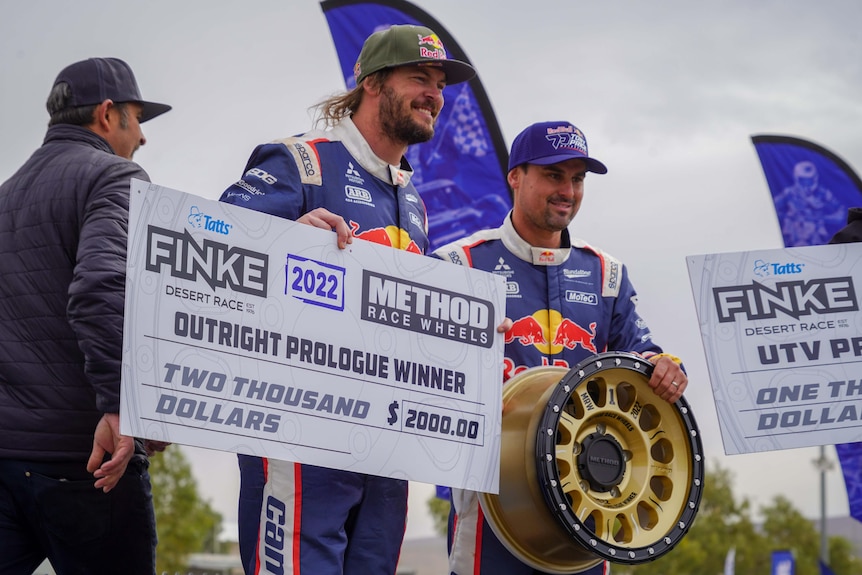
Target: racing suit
{"x":566,"y":304}
{"x":305,"y":519}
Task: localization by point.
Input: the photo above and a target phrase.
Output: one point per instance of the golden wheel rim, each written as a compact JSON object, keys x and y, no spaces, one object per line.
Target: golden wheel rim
{"x":594,"y":466}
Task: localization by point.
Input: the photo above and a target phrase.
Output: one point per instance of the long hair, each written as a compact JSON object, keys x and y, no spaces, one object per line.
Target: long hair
{"x":335,"y":108}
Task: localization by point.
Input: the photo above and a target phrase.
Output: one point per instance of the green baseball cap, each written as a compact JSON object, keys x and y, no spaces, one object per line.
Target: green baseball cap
{"x":406,"y":45}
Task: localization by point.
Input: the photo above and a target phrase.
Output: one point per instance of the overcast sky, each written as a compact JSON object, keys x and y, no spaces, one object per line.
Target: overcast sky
{"x":668,"y":94}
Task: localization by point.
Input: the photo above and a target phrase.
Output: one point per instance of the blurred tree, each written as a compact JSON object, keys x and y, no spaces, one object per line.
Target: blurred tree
{"x":723,"y":523}
{"x":842,"y":559}
{"x":439,"y":509}
{"x":185,"y":523}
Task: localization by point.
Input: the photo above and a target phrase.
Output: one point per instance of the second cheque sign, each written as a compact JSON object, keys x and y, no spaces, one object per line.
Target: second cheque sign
{"x":253,"y":334}
{"x":781,"y":330}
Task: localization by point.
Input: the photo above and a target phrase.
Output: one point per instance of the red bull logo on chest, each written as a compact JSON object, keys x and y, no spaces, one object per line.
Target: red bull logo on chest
{"x":391,"y":236}
{"x":569,"y":335}
{"x":528,"y":331}
{"x":551,"y":333}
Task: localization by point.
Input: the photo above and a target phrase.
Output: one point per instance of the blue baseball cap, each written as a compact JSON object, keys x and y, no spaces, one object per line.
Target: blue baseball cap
{"x":95,"y":80}
{"x":548,"y":143}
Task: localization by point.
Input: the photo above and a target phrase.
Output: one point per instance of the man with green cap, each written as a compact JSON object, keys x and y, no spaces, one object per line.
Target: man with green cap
{"x":351,"y":178}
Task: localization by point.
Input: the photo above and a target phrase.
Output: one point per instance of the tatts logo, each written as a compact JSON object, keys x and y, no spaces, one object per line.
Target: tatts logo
{"x":423,"y":309}
{"x":766,"y":269}
{"x":793,"y":298}
{"x":218,"y":264}
{"x":198,"y":219}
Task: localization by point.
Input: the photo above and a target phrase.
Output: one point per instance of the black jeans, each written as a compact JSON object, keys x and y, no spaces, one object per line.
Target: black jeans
{"x":51,"y":509}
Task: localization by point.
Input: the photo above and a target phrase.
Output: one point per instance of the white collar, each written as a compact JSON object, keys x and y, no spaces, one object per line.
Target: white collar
{"x":537,"y":256}
{"x":348,"y":134}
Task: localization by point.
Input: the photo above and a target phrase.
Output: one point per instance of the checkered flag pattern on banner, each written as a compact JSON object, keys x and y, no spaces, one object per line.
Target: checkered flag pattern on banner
{"x":470,"y":137}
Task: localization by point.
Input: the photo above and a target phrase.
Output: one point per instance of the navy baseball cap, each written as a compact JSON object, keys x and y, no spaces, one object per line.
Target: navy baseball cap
{"x":548,"y":143}
{"x":95,"y":80}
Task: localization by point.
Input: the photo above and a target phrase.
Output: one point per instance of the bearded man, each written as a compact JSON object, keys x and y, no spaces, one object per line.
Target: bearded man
{"x":351,"y":178}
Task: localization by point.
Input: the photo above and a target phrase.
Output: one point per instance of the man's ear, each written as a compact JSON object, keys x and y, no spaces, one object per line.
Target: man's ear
{"x":101,"y":117}
{"x":371,"y":85}
{"x":514,"y":178}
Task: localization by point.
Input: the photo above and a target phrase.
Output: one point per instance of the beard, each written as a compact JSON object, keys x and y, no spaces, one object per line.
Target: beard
{"x":544,"y":215}
{"x":397,"y":121}
{"x":556,"y":221}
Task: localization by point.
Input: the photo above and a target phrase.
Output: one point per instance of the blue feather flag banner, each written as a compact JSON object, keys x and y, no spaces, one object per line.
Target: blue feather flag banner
{"x":461,"y":172}
{"x":812,"y":189}
{"x":783,"y":563}
{"x":850,"y":456}
{"x":824,"y":569}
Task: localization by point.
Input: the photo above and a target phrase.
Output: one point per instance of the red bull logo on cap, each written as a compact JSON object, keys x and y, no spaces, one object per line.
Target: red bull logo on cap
{"x":438,"y":52}
{"x":433,"y":40}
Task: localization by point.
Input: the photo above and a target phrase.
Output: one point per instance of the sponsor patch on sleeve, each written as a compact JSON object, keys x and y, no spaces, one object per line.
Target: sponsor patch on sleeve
{"x":307,"y":162}
{"x":611,"y":276}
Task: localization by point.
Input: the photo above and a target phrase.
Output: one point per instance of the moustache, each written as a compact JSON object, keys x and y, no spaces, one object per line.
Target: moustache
{"x":432,"y":106}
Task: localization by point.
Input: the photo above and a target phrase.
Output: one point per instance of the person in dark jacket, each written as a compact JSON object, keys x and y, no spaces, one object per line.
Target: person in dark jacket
{"x":63,"y":228}
{"x":852,"y":232}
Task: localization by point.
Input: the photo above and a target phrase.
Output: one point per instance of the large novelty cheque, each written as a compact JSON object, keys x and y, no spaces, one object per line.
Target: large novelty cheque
{"x":254,"y":334}
{"x":782,"y":334}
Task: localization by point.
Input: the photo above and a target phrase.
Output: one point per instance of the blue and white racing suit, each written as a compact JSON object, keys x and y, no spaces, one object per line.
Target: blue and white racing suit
{"x":566,"y":304}
{"x":300,"y":518}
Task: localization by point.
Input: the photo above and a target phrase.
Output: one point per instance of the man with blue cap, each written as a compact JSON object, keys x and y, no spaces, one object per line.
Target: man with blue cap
{"x":580,"y":296}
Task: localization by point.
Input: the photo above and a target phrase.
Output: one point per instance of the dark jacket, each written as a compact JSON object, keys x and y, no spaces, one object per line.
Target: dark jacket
{"x":852,"y":232}
{"x":63,"y":227}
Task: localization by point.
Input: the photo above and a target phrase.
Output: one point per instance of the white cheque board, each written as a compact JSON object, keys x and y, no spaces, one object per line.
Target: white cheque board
{"x":782,"y":334}
{"x":254,"y":334}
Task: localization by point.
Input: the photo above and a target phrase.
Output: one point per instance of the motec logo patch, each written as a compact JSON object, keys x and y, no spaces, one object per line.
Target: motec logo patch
{"x":792,"y":298}
{"x":219,"y":265}
{"x":424,"y":309}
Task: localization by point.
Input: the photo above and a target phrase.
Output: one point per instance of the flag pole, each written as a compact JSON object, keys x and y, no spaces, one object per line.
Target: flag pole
{"x":823,"y":464}
{"x":824,"y":551}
